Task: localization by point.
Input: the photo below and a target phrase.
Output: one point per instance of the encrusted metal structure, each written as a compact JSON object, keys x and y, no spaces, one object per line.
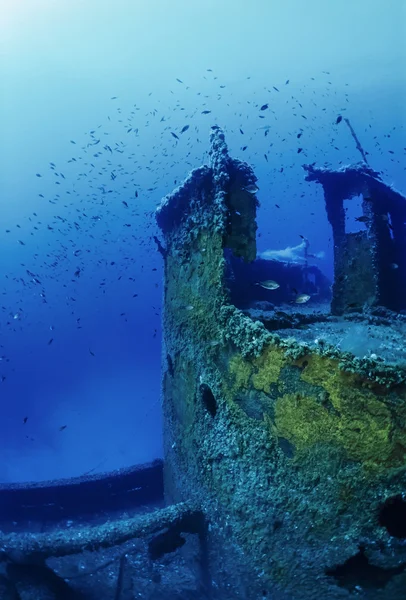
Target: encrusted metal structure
{"x":294,"y":448}
{"x":370,"y":265}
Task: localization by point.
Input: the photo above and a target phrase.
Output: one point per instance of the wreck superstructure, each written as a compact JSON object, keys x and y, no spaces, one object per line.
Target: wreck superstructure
{"x":369,"y":265}
{"x":294,"y":447}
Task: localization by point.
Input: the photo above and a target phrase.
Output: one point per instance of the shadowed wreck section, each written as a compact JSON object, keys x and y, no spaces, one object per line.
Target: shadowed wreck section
{"x":292,"y":444}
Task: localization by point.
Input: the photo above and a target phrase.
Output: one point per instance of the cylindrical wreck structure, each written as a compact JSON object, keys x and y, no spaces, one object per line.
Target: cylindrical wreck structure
{"x":293,"y":445}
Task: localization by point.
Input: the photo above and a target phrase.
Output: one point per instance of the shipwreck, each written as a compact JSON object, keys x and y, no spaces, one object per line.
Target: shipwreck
{"x":284,"y":425}
{"x":288,"y":426}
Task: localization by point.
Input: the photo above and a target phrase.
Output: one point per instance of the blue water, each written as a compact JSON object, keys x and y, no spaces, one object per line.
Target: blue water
{"x":81,"y":279}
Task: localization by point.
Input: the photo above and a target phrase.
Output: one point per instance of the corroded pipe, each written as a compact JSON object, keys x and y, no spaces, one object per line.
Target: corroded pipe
{"x":63,"y":542}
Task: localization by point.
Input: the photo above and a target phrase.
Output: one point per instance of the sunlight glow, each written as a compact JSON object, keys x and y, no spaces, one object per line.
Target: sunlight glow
{"x":16,"y":15}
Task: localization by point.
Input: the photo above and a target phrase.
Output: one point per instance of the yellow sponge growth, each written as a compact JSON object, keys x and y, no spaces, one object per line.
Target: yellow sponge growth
{"x":344,"y":414}
{"x":267,"y":368}
{"x":258,"y":372}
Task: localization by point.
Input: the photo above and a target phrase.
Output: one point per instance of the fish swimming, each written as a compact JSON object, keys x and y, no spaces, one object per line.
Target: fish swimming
{"x":251,"y":188}
{"x":269,"y":284}
{"x":292,"y":254}
{"x":302,"y":298}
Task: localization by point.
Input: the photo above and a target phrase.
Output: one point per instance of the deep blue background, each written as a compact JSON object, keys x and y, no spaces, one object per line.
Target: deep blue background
{"x":62,"y":63}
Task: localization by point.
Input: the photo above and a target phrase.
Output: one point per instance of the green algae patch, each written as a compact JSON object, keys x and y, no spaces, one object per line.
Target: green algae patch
{"x":268,"y":368}
{"x":322,"y":371}
{"x":364,"y":436}
{"x":184,"y":405}
{"x":241,"y":371}
{"x":343,"y":414}
{"x":302,"y":421}
{"x":257,"y":373}
{"x":336,"y":409}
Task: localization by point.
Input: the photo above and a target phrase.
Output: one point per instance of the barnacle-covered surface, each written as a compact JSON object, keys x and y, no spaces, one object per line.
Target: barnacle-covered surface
{"x":359,"y":179}
{"x":293,"y":444}
{"x":369,"y":265}
{"x":126,"y":554}
{"x":380,"y":338}
{"x":351,"y":180}
{"x":100,"y":537}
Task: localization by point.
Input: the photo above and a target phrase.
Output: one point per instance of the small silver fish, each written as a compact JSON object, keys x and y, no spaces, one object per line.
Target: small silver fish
{"x":302,"y":298}
{"x":269,"y":284}
{"x":251,"y":188}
